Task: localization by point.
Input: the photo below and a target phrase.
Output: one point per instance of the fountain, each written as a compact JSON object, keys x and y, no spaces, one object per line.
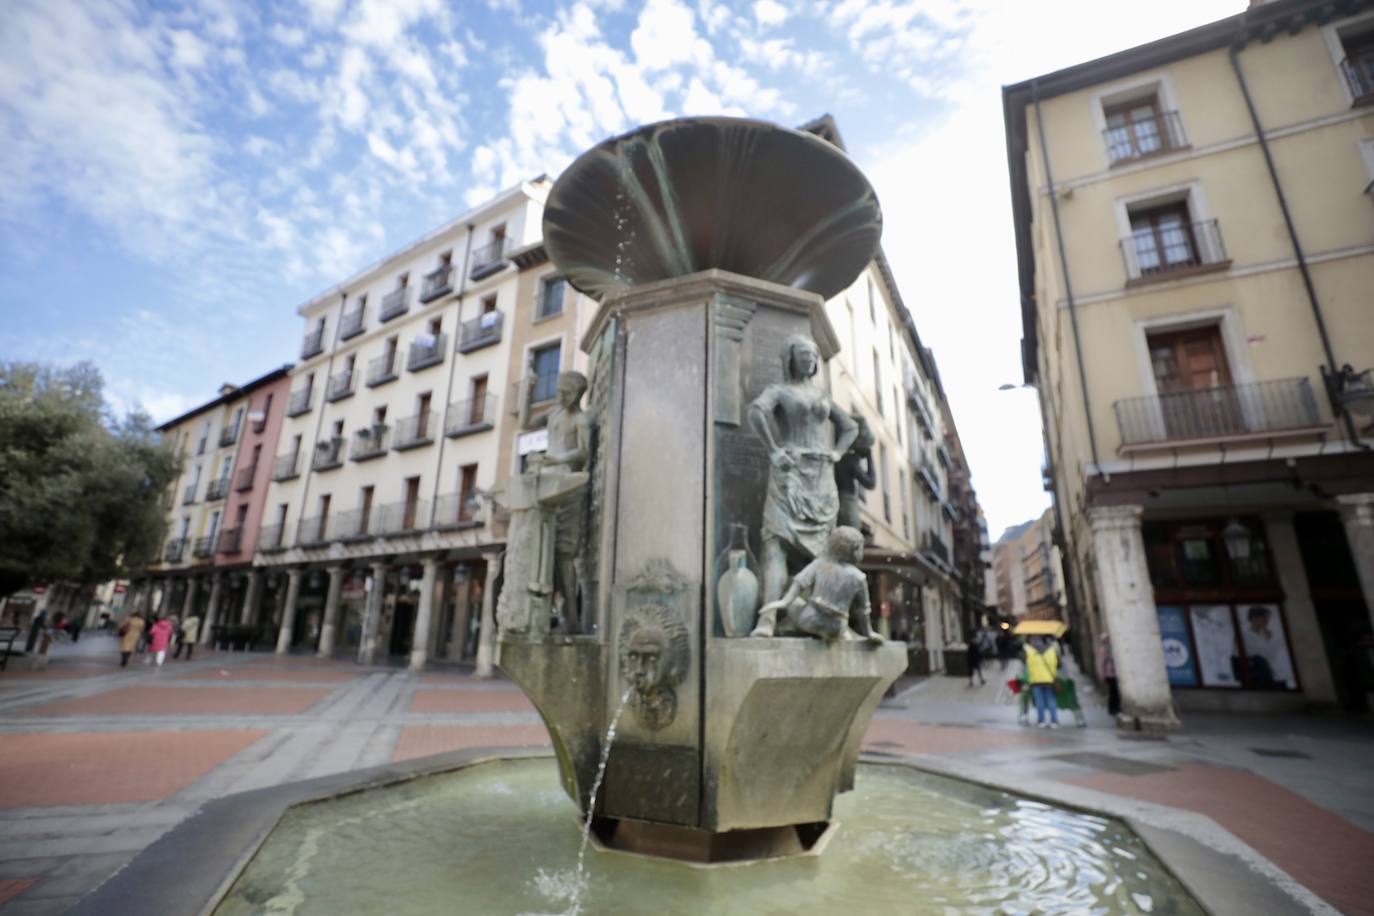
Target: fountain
{"x":689,"y":621}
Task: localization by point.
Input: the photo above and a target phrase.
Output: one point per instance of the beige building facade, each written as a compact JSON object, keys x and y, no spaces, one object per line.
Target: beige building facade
{"x":1196,"y":251}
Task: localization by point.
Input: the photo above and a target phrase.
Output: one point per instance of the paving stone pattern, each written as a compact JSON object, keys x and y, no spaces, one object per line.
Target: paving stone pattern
{"x":98,"y":761}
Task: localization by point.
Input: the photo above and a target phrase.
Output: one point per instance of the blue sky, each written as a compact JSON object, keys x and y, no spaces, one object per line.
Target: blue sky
{"x":176,"y":178}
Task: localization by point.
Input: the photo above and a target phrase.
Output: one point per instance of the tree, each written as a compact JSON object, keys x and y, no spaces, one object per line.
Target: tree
{"x":81,"y":492}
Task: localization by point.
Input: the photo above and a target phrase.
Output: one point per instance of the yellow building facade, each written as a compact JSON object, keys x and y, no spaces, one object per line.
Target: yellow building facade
{"x":1196,"y":262}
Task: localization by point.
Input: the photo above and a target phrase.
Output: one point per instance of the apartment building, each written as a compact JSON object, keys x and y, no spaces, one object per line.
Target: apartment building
{"x":1195,"y":236}
{"x":213,"y":507}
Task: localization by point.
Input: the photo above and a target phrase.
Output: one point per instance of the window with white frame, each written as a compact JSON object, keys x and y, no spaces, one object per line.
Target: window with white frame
{"x":1139,"y":119}
{"x":1166,"y":232}
{"x":1351,"y":43}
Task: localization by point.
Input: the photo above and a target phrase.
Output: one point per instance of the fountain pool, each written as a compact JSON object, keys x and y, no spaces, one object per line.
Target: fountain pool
{"x":501,"y":837}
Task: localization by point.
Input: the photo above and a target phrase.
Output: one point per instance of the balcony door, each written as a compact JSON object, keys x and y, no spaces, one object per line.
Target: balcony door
{"x":1196,"y":396}
{"x":1163,"y":238}
{"x":412,"y":503}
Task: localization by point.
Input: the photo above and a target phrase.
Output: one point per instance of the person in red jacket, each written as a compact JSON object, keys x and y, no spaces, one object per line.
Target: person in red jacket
{"x":158,"y":639}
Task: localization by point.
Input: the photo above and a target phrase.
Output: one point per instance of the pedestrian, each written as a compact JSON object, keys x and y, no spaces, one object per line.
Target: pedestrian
{"x":1106,"y":666}
{"x":1004,"y":650}
{"x":190,"y":629}
{"x":975,"y":660}
{"x":1042,"y":671}
{"x":130,"y":633}
{"x":158,"y":638}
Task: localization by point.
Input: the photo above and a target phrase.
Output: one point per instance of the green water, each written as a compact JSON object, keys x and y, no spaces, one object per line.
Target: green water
{"x":502,"y":838}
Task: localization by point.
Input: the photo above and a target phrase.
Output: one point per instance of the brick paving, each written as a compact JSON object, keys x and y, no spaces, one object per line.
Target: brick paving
{"x":80,"y":795}
{"x":110,"y":767}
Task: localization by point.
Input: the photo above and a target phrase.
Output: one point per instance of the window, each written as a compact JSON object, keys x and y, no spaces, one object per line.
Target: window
{"x":1196,"y":397}
{"x":324,"y":517}
{"x":365,"y":509}
{"x":402,"y":281}
{"x":214,"y":524}
{"x":446,"y":260}
{"x":872,"y":307}
{"x":1138,"y":128}
{"x":877,"y":381}
{"x":882,"y":471}
{"x":436,"y":326}
{"x":422,"y":404}
{"x":412,"y":503}
{"x":550,"y":300}
{"x":1354,"y":44}
{"x":204,"y":435}
{"x":489,"y":304}
{"x":544,"y":364}
{"x":338,"y":430}
{"x":467,"y":492}
{"x":477,"y":400}
{"x":379,"y":415}
{"x":266,"y":412}
{"x":1163,"y":238}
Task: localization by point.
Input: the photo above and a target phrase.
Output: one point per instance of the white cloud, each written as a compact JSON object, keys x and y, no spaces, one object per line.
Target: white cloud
{"x":666,"y":35}
{"x":770,"y":13}
{"x":288,"y":35}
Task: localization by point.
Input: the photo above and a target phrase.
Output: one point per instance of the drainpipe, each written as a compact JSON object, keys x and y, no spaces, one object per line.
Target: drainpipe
{"x":1329,"y":371}
{"x":1068,"y":287}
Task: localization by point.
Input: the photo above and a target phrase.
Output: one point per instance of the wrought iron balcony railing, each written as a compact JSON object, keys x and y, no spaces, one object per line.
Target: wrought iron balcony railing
{"x":395,"y":303}
{"x":933,"y":546}
{"x":313,"y":345}
{"x":457,"y":510}
{"x":1358,"y":69}
{"x":204,"y":547}
{"x":189,"y":495}
{"x":310,"y":532}
{"x":1152,"y":136}
{"x":474,"y":415}
{"x":270,"y":538}
{"x":369,"y":443}
{"x":328,"y":454}
{"x":426,"y":350}
{"x":228,"y":434}
{"x":230,"y":540}
{"x":1159,"y":251}
{"x":340,"y":385}
{"x":402,"y":518}
{"x":286,"y":466}
{"x":1217,"y":413}
{"x":437,"y":283}
{"x":243,"y":479}
{"x":174,"y":551}
{"x":353,"y":323}
{"x":381,"y":370}
{"x":217,"y":489}
{"x":354,"y":525}
{"x":479,"y":332}
{"x":299,"y":402}
{"x":490,"y":258}
{"x":413,"y":432}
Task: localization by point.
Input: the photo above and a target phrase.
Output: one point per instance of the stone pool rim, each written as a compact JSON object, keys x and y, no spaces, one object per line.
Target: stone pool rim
{"x":191,"y":868}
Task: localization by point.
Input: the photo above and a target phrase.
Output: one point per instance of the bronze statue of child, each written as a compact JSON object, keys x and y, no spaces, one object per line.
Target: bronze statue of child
{"x":829,"y":597}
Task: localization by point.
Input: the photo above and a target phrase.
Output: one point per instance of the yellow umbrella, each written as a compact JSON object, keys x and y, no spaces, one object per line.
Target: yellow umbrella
{"x":1055,"y":628}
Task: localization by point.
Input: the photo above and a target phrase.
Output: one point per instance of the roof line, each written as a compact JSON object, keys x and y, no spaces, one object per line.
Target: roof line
{"x":235,"y":392}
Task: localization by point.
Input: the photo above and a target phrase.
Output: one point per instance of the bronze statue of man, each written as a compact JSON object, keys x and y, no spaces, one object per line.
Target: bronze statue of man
{"x":853,"y":471}
{"x":569,"y":449}
{"x":795,"y":419}
{"x":829,"y":598}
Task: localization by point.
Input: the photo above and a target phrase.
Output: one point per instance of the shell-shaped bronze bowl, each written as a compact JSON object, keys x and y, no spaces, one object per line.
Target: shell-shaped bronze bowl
{"x":677,"y":197}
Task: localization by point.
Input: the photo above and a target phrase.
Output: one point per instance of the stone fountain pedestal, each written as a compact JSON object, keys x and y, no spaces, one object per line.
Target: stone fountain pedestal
{"x":729,"y":747}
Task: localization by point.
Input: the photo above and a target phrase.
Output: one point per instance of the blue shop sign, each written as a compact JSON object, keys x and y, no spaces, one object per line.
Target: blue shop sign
{"x":1179,"y":657}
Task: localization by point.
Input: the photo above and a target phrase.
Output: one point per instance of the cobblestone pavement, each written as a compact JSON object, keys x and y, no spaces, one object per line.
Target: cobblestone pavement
{"x":97,"y":762}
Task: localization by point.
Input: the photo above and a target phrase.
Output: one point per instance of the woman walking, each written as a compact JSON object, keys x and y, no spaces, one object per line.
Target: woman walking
{"x":130,"y":632}
{"x":1042,"y":671}
{"x":158,"y":638}
{"x":190,"y":629}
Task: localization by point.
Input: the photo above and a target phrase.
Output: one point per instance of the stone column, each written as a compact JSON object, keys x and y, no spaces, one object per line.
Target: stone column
{"x":367,"y":644}
{"x":251,"y":592}
{"x":331,"y":612}
{"x":1127,"y":601}
{"x":211,"y":609}
{"x":1357,"y":512}
{"x":288,"y":613}
{"x":1304,"y":632}
{"x":188,"y":600}
{"x":419,"y":645}
{"x":486,"y":634}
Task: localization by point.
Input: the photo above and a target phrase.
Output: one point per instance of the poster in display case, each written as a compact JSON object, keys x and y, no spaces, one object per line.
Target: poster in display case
{"x":1268,"y":665}
{"x":1214,"y":632}
{"x":1179,"y":658}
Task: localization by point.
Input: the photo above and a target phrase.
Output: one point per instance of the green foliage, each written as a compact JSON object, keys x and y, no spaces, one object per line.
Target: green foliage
{"x":80,"y":491}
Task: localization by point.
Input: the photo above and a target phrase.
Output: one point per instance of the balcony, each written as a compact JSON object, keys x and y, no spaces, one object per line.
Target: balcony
{"x":353,"y":323}
{"x":929,"y":481}
{"x":457,"y":511}
{"x":382,"y":370}
{"x":328,"y":454}
{"x":270,"y":539}
{"x":426,"y":350}
{"x":310,"y":532}
{"x":437,"y":283}
{"x":942,"y":453}
{"x":1145,"y":137}
{"x":935,"y":548}
{"x":204,"y":547}
{"x":413,"y":432}
{"x":1256,"y":411}
{"x":218,"y":489}
{"x":313,"y":345}
{"x":475,"y":415}
{"x":354,"y":525}
{"x":286,"y":467}
{"x":1358,"y":70}
{"x":174,"y":551}
{"x":1166,"y":252}
{"x":489,"y":259}
{"x":230,"y":540}
{"x":369,"y":443}
{"x":398,"y":519}
{"x":299,"y":402}
{"x":479,"y":332}
{"x":228,"y":434}
{"x":340,"y":386}
{"x":395,"y":303}
{"x":243,"y":480}
{"x":189,"y":495}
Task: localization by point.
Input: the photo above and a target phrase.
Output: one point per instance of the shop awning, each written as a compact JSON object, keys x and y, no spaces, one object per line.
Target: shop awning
{"x":1055,"y":628}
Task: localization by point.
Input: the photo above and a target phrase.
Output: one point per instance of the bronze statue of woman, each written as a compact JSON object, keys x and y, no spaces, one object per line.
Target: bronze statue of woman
{"x":795,"y":420}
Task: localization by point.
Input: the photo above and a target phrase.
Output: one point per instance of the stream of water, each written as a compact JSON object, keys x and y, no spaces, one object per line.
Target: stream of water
{"x":579,"y":877}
